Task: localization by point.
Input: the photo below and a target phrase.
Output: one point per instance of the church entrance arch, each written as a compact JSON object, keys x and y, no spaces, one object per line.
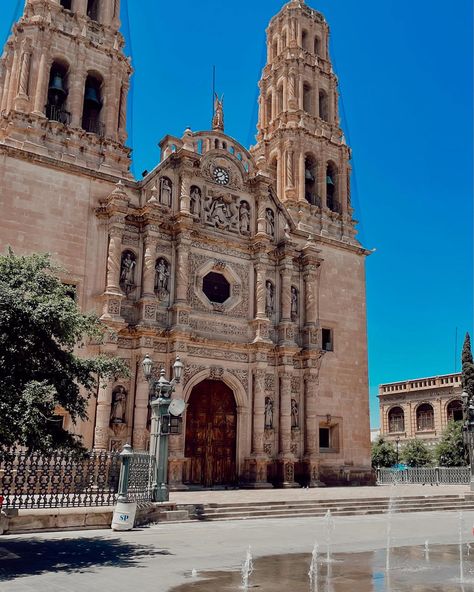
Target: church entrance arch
{"x":211,"y":434}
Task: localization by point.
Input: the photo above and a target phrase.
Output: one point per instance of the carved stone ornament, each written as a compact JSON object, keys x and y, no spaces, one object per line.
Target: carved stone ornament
{"x":216,"y":373}
{"x":268,"y":413}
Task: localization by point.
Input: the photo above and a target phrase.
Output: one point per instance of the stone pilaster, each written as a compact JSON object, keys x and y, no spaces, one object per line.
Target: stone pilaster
{"x":41,"y":82}
{"x":148,"y":300}
{"x":311,"y":457}
{"x":261,"y":322}
{"x":311,"y":275}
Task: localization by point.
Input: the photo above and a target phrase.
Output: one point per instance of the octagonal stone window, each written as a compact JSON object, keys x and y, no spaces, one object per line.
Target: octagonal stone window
{"x":216,"y":287}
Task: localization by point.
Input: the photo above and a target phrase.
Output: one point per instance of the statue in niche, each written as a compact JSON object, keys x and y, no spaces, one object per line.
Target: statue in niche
{"x":219,"y":213}
{"x":269,"y":301}
{"x":162,"y":275}
{"x":294,"y":414}
{"x":119,"y":400}
{"x":268,"y":412}
{"x":244,"y":215}
{"x":234,"y":214}
{"x":270,"y":223}
{"x":166,"y":189}
{"x":294,"y":303}
{"x":127,"y":272}
{"x":195,"y":200}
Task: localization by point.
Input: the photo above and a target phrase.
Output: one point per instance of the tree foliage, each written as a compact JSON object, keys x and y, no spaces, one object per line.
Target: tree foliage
{"x":467,"y":368}
{"x":450,"y":451}
{"x":41,"y":330}
{"x":416,"y":453}
{"x":383,"y":453}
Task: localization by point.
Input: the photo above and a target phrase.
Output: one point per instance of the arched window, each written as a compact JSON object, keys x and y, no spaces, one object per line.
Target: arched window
{"x":425,"y":418}
{"x":280,"y":99}
{"x":57,"y":94}
{"x":66,"y":4}
{"x":454,"y":411}
{"x":331,"y":188}
{"x":93,"y":9}
{"x":323,"y":105}
{"x":92,"y":105}
{"x":307,"y":102}
{"x":304,"y":40}
{"x":268,"y":108}
{"x":396,"y":420}
{"x":317,"y":46}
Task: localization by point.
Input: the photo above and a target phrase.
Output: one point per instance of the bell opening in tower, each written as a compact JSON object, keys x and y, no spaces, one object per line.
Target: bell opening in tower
{"x":93,"y":106}
{"x":67,"y":4}
{"x":331,"y":189}
{"x":310,"y":191}
{"x":93,"y":9}
{"x":323,"y":106}
{"x":58,"y":93}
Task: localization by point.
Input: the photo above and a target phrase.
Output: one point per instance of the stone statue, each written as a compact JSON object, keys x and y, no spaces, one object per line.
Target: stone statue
{"x":268,"y":412}
{"x":270,"y":222}
{"x":165,"y":191}
{"x":119,"y":399}
{"x":127,"y":272}
{"x":218,"y":119}
{"x":162,"y":275}
{"x":244,"y":215}
{"x":195,"y":200}
{"x":294,"y":414}
{"x":219,"y":214}
{"x":294,"y":303}
{"x":269,"y":302}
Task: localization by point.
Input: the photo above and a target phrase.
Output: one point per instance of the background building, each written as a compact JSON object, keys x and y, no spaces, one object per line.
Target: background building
{"x":419,"y":408}
{"x":243,"y":263}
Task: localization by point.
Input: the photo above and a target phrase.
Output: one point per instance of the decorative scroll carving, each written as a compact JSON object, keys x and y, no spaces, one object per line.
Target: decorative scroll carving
{"x":216,"y":373}
{"x":269,"y":382}
{"x":241,"y":375}
{"x":190,"y":370}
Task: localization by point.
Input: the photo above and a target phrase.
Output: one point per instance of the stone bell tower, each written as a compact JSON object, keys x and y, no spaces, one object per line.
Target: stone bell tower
{"x":300,"y":142}
{"x":64,"y":82}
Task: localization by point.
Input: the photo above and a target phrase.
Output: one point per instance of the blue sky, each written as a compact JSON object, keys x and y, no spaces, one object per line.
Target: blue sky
{"x":405,"y":71}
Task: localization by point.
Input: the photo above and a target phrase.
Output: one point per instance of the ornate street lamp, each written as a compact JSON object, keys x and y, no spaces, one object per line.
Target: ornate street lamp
{"x":468,"y":431}
{"x":165,"y":420}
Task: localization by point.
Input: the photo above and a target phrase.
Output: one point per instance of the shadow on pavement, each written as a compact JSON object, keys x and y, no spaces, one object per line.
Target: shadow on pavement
{"x":22,"y":557}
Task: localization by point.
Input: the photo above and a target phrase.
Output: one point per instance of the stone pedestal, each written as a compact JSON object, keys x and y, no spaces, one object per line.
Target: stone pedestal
{"x":311,"y":469}
{"x":176,"y":473}
{"x":256,"y":473}
{"x":286,"y":473}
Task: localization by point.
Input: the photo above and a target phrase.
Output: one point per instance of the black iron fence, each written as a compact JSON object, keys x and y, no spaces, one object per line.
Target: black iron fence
{"x":33,"y":480}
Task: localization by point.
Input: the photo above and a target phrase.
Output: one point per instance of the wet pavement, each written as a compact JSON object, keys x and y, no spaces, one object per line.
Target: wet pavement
{"x":413,"y":569}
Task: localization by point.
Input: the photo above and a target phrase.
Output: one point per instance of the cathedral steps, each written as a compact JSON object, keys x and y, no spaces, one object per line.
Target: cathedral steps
{"x":341,"y":507}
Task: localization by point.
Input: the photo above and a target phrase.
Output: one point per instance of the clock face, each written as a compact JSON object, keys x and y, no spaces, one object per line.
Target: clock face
{"x":220,"y":175}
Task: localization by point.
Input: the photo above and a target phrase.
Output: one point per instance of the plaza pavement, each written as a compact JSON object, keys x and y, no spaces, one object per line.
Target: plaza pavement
{"x":159,"y":557}
{"x":320,"y":493}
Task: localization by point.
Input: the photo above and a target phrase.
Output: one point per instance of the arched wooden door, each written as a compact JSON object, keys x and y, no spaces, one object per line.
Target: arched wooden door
{"x":211,"y":434}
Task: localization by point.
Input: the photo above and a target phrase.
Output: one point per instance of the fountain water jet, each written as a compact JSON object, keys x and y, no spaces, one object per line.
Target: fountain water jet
{"x":313,"y":569}
{"x":427,"y":552}
{"x":247,"y":569}
{"x":329,"y":520}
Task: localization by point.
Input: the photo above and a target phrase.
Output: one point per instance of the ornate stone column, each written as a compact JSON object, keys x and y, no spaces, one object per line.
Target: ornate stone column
{"x":113,"y":295}
{"x":80,"y":6}
{"x":6,"y":86}
{"x":122,"y":118}
{"x":102,"y":418}
{"x":21,"y":99}
{"x":111,"y":107}
{"x":13,"y":79}
{"x":311,"y":274}
{"x":261,"y":322}
{"x":311,"y":458}
{"x":76,"y":97}
{"x":290,"y":191}
{"x":181,"y":307}
{"x":40,"y":92}
{"x":286,"y":461}
{"x":286,"y":329}
{"x":140,"y":431}
{"x":184,"y":197}
{"x":148,"y":300}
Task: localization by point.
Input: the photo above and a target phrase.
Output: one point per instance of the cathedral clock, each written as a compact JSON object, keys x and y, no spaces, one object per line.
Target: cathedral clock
{"x":221,"y":175}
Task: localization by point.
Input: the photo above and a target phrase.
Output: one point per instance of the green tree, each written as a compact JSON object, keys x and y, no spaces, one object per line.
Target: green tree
{"x":450,"y":449}
{"x":41,"y":330}
{"x":467,"y":368}
{"x":415,"y":453}
{"x":383,"y":453}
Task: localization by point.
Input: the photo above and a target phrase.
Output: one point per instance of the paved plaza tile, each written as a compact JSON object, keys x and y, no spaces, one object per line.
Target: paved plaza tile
{"x":160,"y":557}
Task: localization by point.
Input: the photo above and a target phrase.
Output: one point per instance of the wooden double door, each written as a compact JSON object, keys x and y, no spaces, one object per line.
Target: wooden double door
{"x":211,"y":434}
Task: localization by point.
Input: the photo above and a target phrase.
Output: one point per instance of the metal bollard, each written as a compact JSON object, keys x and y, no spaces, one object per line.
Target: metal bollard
{"x":125,"y":510}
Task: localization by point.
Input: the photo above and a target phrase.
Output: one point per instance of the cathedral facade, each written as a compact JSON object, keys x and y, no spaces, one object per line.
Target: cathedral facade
{"x":244,"y":263}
